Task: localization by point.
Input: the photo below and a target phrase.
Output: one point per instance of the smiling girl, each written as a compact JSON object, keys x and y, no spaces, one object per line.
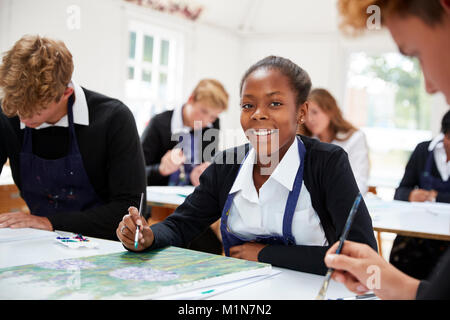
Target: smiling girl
{"x":283,"y":199}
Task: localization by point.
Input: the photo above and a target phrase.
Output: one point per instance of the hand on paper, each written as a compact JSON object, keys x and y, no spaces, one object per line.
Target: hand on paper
{"x":360,"y":268}
{"x":17,"y":220}
{"x":197,"y":172}
{"x":126,"y":231}
{"x":171,"y":162}
{"x":247,"y":251}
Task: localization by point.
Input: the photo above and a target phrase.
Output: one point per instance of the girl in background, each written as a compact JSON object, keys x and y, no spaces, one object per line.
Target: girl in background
{"x":326,"y":122}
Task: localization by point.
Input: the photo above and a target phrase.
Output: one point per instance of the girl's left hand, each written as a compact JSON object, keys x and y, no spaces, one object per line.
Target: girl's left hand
{"x":16,"y":220}
{"x":247,"y":251}
{"x":197,"y":172}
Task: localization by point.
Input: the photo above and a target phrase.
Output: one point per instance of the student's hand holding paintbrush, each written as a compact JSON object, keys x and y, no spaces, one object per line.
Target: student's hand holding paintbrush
{"x":359,"y":268}
{"x":126,"y":231}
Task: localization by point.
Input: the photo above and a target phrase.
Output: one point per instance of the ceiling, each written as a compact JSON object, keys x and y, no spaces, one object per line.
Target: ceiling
{"x":271,"y":16}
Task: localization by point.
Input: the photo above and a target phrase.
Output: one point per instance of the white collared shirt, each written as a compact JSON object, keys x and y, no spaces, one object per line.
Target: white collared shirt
{"x":252,"y":215}
{"x":80,"y":111}
{"x":176,"y":123}
{"x":440,"y":156}
{"x":358,"y":156}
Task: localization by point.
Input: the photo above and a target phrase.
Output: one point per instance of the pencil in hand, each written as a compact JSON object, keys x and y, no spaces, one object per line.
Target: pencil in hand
{"x":138,"y":227}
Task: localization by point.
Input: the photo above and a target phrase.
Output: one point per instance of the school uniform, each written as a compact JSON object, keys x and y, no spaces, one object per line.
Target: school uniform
{"x":300,"y":212}
{"x":427,"y":169}
{"x":82,"y":172}
{"x":167,"y":131}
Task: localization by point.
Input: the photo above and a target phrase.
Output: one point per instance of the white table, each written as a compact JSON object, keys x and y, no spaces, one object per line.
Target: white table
{"x":288,"y":285}
{"x":423,"y":220}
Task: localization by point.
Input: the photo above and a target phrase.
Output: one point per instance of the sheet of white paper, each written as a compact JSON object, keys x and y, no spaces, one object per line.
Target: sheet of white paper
{"x":210,"y":291}
{"x":8,"y":234}
{"x":186,"y":190}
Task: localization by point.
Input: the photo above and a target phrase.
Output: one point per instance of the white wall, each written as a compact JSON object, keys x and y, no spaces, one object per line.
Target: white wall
{"x":97,"y":47}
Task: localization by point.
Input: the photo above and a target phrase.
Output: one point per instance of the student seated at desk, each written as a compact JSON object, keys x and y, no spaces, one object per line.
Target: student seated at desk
{"x":326,"y":122}
{"x":426,"y":178}
{"x":179,"y":144}
{"x":284,"y":199}
{"x":75,"y":154}
{"x":175,"y":142}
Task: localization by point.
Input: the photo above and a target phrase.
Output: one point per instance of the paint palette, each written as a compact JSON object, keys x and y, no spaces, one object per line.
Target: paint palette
{"x":77,"y":241}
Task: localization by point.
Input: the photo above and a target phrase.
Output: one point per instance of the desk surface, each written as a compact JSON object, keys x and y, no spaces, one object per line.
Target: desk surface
{"x":424,"y":220}
{"x":288,"y":285}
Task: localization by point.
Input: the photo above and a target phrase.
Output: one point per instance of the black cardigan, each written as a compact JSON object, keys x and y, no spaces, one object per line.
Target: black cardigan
{"x":112,"y":157}
{"x":413,"y":171}
{"x":329,"y":180}
{"x":438,"y":286}
{"x":156,"y":141}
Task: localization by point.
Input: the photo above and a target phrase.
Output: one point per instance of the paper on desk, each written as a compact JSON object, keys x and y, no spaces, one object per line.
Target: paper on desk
{"x":8,"y":234}
{"x":433,"y":207}
{"x":210,"y":291}
{"x":171,"y":190}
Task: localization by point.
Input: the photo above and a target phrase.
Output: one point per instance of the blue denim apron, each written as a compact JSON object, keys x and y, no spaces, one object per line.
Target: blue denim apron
{"x":229,"y":239}
{"x":56,"y":186}
{"x":429,"y":182}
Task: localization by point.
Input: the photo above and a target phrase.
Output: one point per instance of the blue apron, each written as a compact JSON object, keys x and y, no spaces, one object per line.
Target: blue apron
{"x":175,"y":179}
{"x":229,"y":239}
{"x":56,"y":186}
{"x":429,"y":182}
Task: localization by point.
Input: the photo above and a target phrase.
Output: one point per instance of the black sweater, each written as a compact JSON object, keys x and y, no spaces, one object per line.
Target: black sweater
{"x":413,"y":171}
{"x":438,"y":286}
{"x":112,"y":157}
{"x":329,"y":180}
{"x":156,"y":141}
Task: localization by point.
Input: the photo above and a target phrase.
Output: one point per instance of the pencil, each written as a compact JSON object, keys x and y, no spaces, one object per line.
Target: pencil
{"x":343,"y":237}
{"x":136,"y":237}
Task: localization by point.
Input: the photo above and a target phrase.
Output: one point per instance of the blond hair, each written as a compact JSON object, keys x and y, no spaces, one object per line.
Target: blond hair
{"x":212,"y":92}
{"x":34,"y":73}
{"x":354,"y":12}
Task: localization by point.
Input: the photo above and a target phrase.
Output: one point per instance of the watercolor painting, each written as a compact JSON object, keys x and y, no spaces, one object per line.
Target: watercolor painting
{"x":125,"y":275}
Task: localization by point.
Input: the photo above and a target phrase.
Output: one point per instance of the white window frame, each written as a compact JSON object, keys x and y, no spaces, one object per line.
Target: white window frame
{"x":138,"y":95}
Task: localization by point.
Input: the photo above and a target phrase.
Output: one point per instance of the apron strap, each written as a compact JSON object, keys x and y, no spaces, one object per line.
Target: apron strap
{"x":292,"y":200}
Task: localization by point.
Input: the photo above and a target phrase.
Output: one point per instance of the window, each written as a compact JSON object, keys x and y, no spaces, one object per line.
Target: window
{"x":386,"y":98}
{"x":154,"y":71}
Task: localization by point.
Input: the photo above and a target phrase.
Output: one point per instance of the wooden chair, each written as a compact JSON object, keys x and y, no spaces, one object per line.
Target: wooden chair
{"x":10,"y":200}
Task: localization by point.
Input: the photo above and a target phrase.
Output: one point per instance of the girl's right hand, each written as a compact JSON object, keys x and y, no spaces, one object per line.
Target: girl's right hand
{"x":360,"y":268}
{"x":126,"y":231}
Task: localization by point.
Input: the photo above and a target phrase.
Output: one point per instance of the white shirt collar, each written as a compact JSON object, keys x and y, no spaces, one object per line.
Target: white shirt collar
{"x":176,"y":123}
{"x":80,"y":110}
{"x":283,"y":173}
{"x":436,"y":141}
{"x":286,"y":170}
